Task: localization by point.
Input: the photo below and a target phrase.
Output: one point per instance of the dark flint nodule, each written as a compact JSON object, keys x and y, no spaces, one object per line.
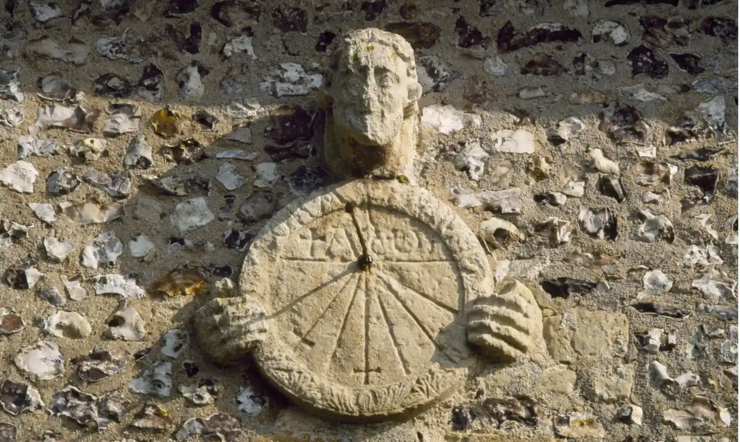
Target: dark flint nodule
{"x":488,"y":8}
{"x":688,"y":127}
{"x":623,"y":124}
{"x":213,"y":387}
{"x":660,"y":310}
{"x":191,"y":368}
{"x":546,"y":198}
{"x":289,"y":19}
{"x":112,"y":85}
{"x":325,"y":39}
{"x":579,"y":64}
{"x":13,"y":231}
{"x":611,"y":187}
{"x":52,"y":296}
{"x":468,"y":36}
{"x":224,"y":212}
{"x":192,"y":42}
{"x":178,"y":8}
{"x":11,"y":6}
{"x":705,"y":178}
{"x":55,"y":88}
{"x":290,"y":123}
{"x":662,"y":33}
{"x":520,"y":409}
{"x":236,"y":13}
{"x":408,"y":11}
{"x":373,"y":9}
{"x":307,"y":179}
{"x":98,"y":365}
{"x":564,"y":287}
{"x":644,"y":61}
{"x":688,"y":63}
{"x":461,"y":418}
{"x":422,"y":35}
{"x":224,"y":271}
{"x":61,"y":182}
{"x":701,"y":154}
{"x":187,"y":151}
{"x":509,"y":39}
{"x":152,"y":79}
{"x":205,"y":119}
{"x":723,"y":28}
{"x":542,"y":64}
{"x":439,"y":72}
{"x":293,"y":151}
{"x":14,"y":397}
{"x":237,"y":239}
{"x":258,"y":206}
{"x":189,"y":44}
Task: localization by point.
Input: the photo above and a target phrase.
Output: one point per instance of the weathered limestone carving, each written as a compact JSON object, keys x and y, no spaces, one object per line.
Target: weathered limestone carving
{"x":365,"y":339}
{"x":506,"y":325}
{"x":230,"y":326}
{"x":361,"y":302}
{"x":370,"y":96}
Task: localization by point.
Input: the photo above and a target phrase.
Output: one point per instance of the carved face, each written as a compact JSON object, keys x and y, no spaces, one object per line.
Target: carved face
{"x":370,"y":91}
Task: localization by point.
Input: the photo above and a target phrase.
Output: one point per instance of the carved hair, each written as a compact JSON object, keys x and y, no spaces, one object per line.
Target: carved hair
{"x":360,"y":38}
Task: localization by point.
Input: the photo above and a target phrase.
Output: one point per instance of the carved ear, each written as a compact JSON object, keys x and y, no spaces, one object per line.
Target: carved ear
{"x":414,"y":92}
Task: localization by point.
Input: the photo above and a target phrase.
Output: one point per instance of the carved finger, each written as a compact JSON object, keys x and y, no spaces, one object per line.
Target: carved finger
{"x":518,"y":290}
{"x":497,"y":341}
{"x":228,"y":328}
{"x":502,"y":316}
{"x":508,"y":302}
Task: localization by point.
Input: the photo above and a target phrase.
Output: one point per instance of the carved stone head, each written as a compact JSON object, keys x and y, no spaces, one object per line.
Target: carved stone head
{"x":370,"y":96}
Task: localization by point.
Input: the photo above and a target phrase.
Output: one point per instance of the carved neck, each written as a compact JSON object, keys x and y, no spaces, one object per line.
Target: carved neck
{"x":347,"y":158}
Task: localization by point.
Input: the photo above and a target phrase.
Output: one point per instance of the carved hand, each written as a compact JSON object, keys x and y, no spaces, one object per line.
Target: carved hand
{"x":506,"y":325}
{"x":230,"y":327}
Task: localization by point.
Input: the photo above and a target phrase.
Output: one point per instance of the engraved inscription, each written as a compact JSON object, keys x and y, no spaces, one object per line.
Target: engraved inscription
{"x":368,"y":325}
{"x":404,"y":243}
{"x":335,"y":239}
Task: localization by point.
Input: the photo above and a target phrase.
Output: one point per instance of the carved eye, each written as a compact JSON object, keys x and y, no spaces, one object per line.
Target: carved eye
{"x":386,"y":80}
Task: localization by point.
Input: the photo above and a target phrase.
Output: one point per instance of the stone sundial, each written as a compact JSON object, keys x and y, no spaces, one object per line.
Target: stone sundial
{"x":361,"y":301}
{"x":374,"y":333}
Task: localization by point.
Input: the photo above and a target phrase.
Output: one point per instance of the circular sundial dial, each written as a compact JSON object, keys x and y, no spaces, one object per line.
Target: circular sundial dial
{"x":365,"y":286}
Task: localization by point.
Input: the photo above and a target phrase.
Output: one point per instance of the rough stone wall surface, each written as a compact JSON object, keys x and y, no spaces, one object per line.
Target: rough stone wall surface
{"x":635,"y":101}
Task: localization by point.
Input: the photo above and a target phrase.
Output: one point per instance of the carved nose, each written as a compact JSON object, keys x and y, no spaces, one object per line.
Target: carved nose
{"x":368,"y":93}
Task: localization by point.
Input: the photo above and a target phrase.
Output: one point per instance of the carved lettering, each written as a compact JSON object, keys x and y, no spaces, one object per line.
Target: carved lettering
{"x":340,"y":246}
{"x":407,"y":241}
{"x":370,"y":344}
